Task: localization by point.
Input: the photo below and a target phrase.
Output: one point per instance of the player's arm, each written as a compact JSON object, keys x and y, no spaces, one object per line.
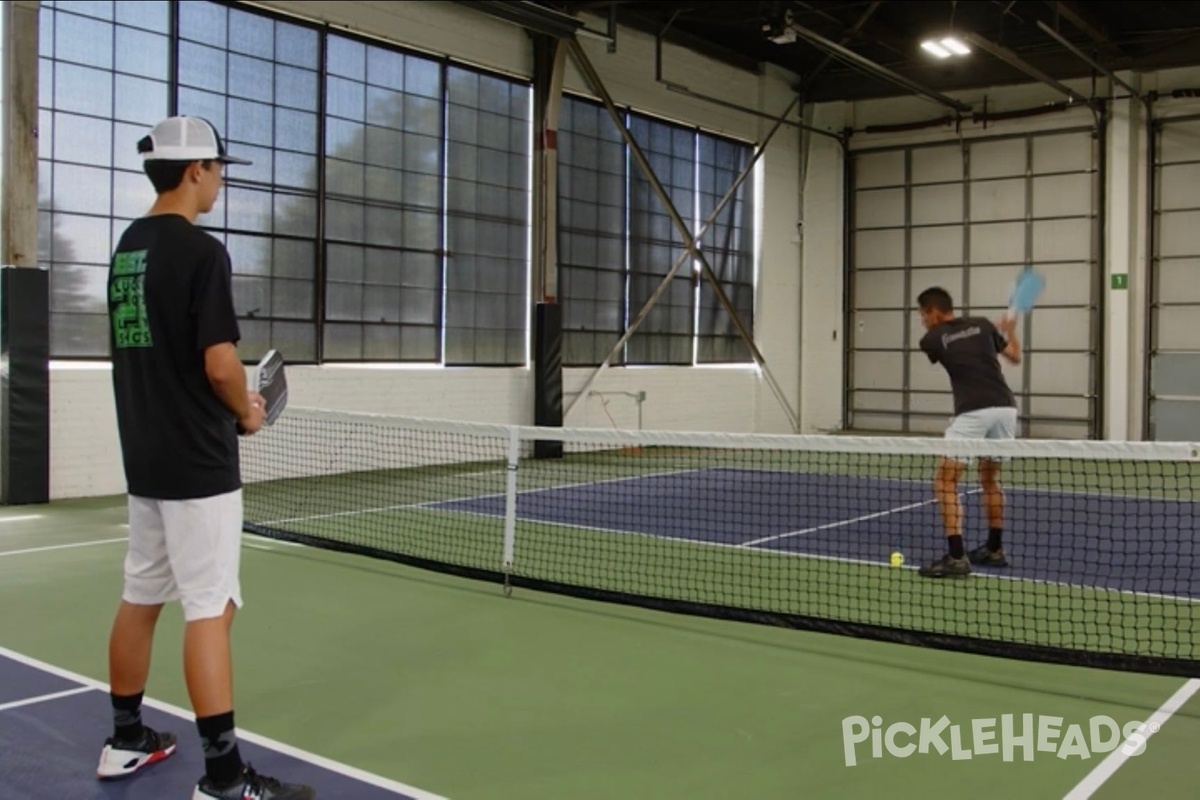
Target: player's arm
{"x":929,"y":347}
{"x":1007,"y":342}
{"x":217,"y":336}
{"x":227,"y":377}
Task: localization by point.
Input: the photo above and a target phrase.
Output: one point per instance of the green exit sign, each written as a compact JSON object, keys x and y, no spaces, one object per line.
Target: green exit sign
{"x":1120,"y":280}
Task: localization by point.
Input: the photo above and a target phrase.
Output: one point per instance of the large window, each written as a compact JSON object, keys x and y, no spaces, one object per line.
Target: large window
{"x":362,"y":231}
{"x":617,"y":242}
{"x":257,"y":80}
{"x":102,"y":82}
{"x":383,"y":164}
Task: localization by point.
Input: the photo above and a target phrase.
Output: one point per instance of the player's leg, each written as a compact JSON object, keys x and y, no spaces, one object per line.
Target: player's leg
{"x":1003,"y":427}
{"x":945,"y":491}
{"x":148,"y":585}
{"x":204,"y":538}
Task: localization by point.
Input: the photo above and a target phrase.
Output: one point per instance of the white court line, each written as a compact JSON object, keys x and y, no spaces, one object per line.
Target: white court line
{"x":279,"y":747}
{"x":844,"y":522}
{"x":21,"y":518}
{"x":6,"y":553}
{"x":267,"y":540}
{"x":44,"y":698}
{"x":1106,"y":768}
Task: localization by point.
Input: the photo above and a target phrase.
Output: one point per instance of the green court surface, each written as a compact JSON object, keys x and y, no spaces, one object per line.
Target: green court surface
{"x":447,"y":685}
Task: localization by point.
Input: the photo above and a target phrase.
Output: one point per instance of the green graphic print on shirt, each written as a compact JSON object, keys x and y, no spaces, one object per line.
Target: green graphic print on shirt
{"x":127,"y":301}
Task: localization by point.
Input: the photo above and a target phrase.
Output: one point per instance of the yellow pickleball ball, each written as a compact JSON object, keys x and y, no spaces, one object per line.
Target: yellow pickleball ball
{"x":897,"y":559}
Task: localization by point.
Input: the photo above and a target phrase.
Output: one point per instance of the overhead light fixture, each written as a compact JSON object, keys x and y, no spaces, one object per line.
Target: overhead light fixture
{"x":955,"y":46}
{"x":945,"y":47}
{"x":935,"y":49}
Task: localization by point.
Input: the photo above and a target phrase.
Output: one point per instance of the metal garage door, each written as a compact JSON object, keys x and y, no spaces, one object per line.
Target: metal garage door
{"x":967,"y":215}
{"x":1174,"y":296}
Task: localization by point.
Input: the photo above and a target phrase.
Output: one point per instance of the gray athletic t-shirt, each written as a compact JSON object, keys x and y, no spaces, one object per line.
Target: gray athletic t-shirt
{"x":968,"y":347}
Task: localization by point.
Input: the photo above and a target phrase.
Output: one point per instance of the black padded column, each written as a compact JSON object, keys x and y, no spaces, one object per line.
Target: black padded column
{"x":24,"y":386}
{"x":547,"y":376}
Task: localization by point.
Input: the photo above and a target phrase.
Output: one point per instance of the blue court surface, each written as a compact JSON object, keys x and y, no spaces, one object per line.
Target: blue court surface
{"x":1125,"y":543}
{"x":53,"y":725}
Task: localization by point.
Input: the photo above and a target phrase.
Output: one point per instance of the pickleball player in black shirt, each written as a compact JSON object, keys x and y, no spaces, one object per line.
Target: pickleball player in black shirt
{"x":969,"y":348}
{"x":182,"y":400}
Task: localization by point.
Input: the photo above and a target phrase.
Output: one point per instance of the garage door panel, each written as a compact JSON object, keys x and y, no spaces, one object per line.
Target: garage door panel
{"x":879,"y":208}
{"x":878,"y":371}
{"x":1068,"y":152}
{"x":1059,"y":373}
{"x":1071,"y":408}
{"x":1178,"y":280}
{"x":1062,"y":240}
{"x":998,"y":243}
{"x":887,"y":423}
{"x":932,"y":403}
{"x":999,"y":159}
{"x":878,"y":249}
{"x":1062,"y":196}
{"x":1179,"y":233}
{"x":879,"y":169}
{"x":880,"y":288}
{"x":937,"y":205}
{"x":937,"y":164}
{"x":1177,"y":328}
{"x":875,"y":329}
{"x":1179,"y":141}
{"x":1066,"y":284}
{"x":998,"y":200}
{"x":1177,"y":186}
{"x":1020,"y":200}
{"x":1059,"y":329}
{"x":937,"y":246}
{"x":879,"y":401}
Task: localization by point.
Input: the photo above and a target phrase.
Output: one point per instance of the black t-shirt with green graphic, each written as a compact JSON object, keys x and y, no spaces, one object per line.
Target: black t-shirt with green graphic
{"x":170,"y":297}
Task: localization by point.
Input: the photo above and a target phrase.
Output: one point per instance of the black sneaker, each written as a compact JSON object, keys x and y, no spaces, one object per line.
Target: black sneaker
{"x":251,"y":786}
{"x":988,"y":558}
{"x":947,"y":567}
{"x":121,"y":759}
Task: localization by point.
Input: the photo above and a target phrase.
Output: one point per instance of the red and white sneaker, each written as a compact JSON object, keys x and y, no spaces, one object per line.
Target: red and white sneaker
{"x":122,"y":759}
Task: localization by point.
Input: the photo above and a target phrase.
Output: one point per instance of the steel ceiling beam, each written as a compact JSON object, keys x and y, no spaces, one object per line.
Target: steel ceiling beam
{"x":846,"y":39}
{"x":1058,"y":37}
{"x":878,"y":70}
{"x":1013,"y":60}
{"x":1085,"y":21}
{"x":530,"y":16}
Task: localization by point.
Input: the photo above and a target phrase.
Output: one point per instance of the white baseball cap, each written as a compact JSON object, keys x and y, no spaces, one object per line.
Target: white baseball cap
{"x":185,"y":139}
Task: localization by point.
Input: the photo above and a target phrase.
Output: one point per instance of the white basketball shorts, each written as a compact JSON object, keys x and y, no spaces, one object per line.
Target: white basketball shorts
{"x":186,"y":550}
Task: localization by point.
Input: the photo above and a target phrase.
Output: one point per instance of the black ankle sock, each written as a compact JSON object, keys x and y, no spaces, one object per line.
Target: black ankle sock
{"x":993,"y":542}
{"x":222,"y":761}
{"x":127,"y":717}
{"x":956,"y":546}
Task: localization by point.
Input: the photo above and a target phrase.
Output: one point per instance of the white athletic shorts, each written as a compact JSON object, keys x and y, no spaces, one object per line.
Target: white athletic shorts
{"x":186,"y":550}
{"x":999,"y":422}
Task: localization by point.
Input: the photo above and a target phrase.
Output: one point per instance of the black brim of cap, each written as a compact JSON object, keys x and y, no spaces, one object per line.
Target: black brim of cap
{"x":233,"y":160}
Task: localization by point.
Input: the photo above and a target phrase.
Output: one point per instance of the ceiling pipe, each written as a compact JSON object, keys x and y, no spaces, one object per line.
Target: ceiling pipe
{"x":1058,"y":37}
{"x":878,"y":70}
{"x":1012,"y":59}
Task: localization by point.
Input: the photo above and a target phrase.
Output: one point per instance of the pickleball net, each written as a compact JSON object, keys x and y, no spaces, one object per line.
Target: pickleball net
{"x":799,"y":531}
